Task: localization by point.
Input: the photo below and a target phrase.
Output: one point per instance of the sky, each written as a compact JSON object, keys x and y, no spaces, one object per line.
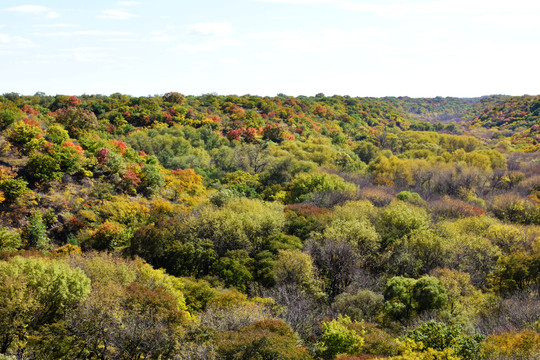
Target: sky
{"x":416,"y":48}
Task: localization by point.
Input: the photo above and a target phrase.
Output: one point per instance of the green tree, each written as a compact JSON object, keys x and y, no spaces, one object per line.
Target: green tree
{"x":9,"y":240}
{"x":339,"y":338}
{"x":306,"y":184}
{"x":296,"y":267}
{"x":42,"y":168}
{"x":151,"y":179}
{"x":406,"y":297}
{"x":235,"y":269}
{"x":35,"y":232}
{"x":22,"y":133}
{"x":13,"y":188}
{"x":240,"y":224}
{"x":35,"y":292}
{"x":265,"y":340}
{"x":57,"y":134}
{"x":400,"y":219}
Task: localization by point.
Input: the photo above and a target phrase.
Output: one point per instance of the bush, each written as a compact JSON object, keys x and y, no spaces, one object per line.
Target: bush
{"x":400,"y":219}
{"x":13,"y":189}
{"x":338,"y":337}
{"x":364,"y":305}
{"x":306,"y":184}
{"x":453,"y":208}
{"x":8,"y":115}
{"x":438,"y":336}
{"x":513,"y":208}
{"x":9,"y":240}
{"x":377,"y":196}
{"x":411,"y":197}
{"x":522,"y":345}
{"x":406,"y":297}
{"x":265,"y":340}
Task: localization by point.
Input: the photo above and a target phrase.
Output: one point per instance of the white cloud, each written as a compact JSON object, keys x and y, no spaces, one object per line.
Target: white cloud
{"x":53,"y":34}
{"x":83,"y":33}
{"x":421,"y":7}
{"x":320,"y":42}
{"x":211,"y":29}
{"x":59,"y":25}
{"x":35,"y":10}
{"x":192,"y":48}
{"x":9,"y":42}
{"x":103,"y":33}
{"x":207,"y":46}
{"x":118,"y":40}
{"x":86,"y":54}
{"x":158,"y":36}
{"x":116,"y":15}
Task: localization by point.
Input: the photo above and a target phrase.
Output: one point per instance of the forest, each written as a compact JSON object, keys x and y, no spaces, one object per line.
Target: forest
{"x":248,"y":227}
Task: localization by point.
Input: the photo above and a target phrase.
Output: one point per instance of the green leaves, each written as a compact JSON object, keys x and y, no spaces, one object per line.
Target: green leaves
{"x":34,"y":292}
{"x":438,"y":336}
{"x":406,"y":297}
{"x":339,"y":338}
{"x":306,"y":184}
{"x":400,"y":219}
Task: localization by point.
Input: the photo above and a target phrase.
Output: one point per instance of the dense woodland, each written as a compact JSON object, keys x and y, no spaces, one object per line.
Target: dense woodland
{"x":246,"y":227}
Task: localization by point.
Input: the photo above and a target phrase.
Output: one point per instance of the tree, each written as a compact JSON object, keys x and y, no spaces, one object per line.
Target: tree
{"x":42,"y":168}
{"x":296,"y":267}
{"x":76,"y":120}
{"x":240,"y":224}
{"x":366,"y":151}
{"x":438,"y":336}
{"x":9,"y":240}
{"x":35,"y":292}
{"x":406,"y":297}
{"x":364,"y":305}
{"x":339,"y":338}
{"x":400,"y":219}
{"x":174,"y":97}
{"x":57,"y":134}
{"x":23,"y":132}
{"x":306,"y":184}
{"x":265,"y":340}
{"x":13,"y":188}
{"x":337,"y":262}
{"x":235,"y":269}
{"x":35,"y":232}
{"x":512,"y":345}
{"x":151,"y":179}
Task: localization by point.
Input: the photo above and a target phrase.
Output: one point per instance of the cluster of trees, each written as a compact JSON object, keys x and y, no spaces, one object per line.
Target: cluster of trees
{"x":241,"y":227}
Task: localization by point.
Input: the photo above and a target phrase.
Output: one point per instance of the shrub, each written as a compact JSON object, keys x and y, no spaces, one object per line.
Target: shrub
{"x":400,"y":219}
{"x":377,"y":196}
{"x":453,"y":208}
{"x":438,"y":336}
{"x":405,"y":297}
{"x":515,"y":209}
{"x":13,"y":188}
{"x":339,"y":338}
{"x":411,"y":197}
{"x":9,"y":240}
{"x":306,"y":184}
{"x":265,"y":340}
{"x":522,"y":345}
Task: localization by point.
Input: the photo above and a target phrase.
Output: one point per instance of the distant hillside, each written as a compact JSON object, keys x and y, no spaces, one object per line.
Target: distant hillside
{"x":516,"y":118}
{"x":436,"y":109}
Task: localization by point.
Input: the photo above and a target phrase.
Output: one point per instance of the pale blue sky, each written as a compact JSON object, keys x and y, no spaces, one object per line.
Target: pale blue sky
{"x":264,"y":47}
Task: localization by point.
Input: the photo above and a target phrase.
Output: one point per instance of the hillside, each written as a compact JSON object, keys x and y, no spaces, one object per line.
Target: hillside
{"x":241,"y":227}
